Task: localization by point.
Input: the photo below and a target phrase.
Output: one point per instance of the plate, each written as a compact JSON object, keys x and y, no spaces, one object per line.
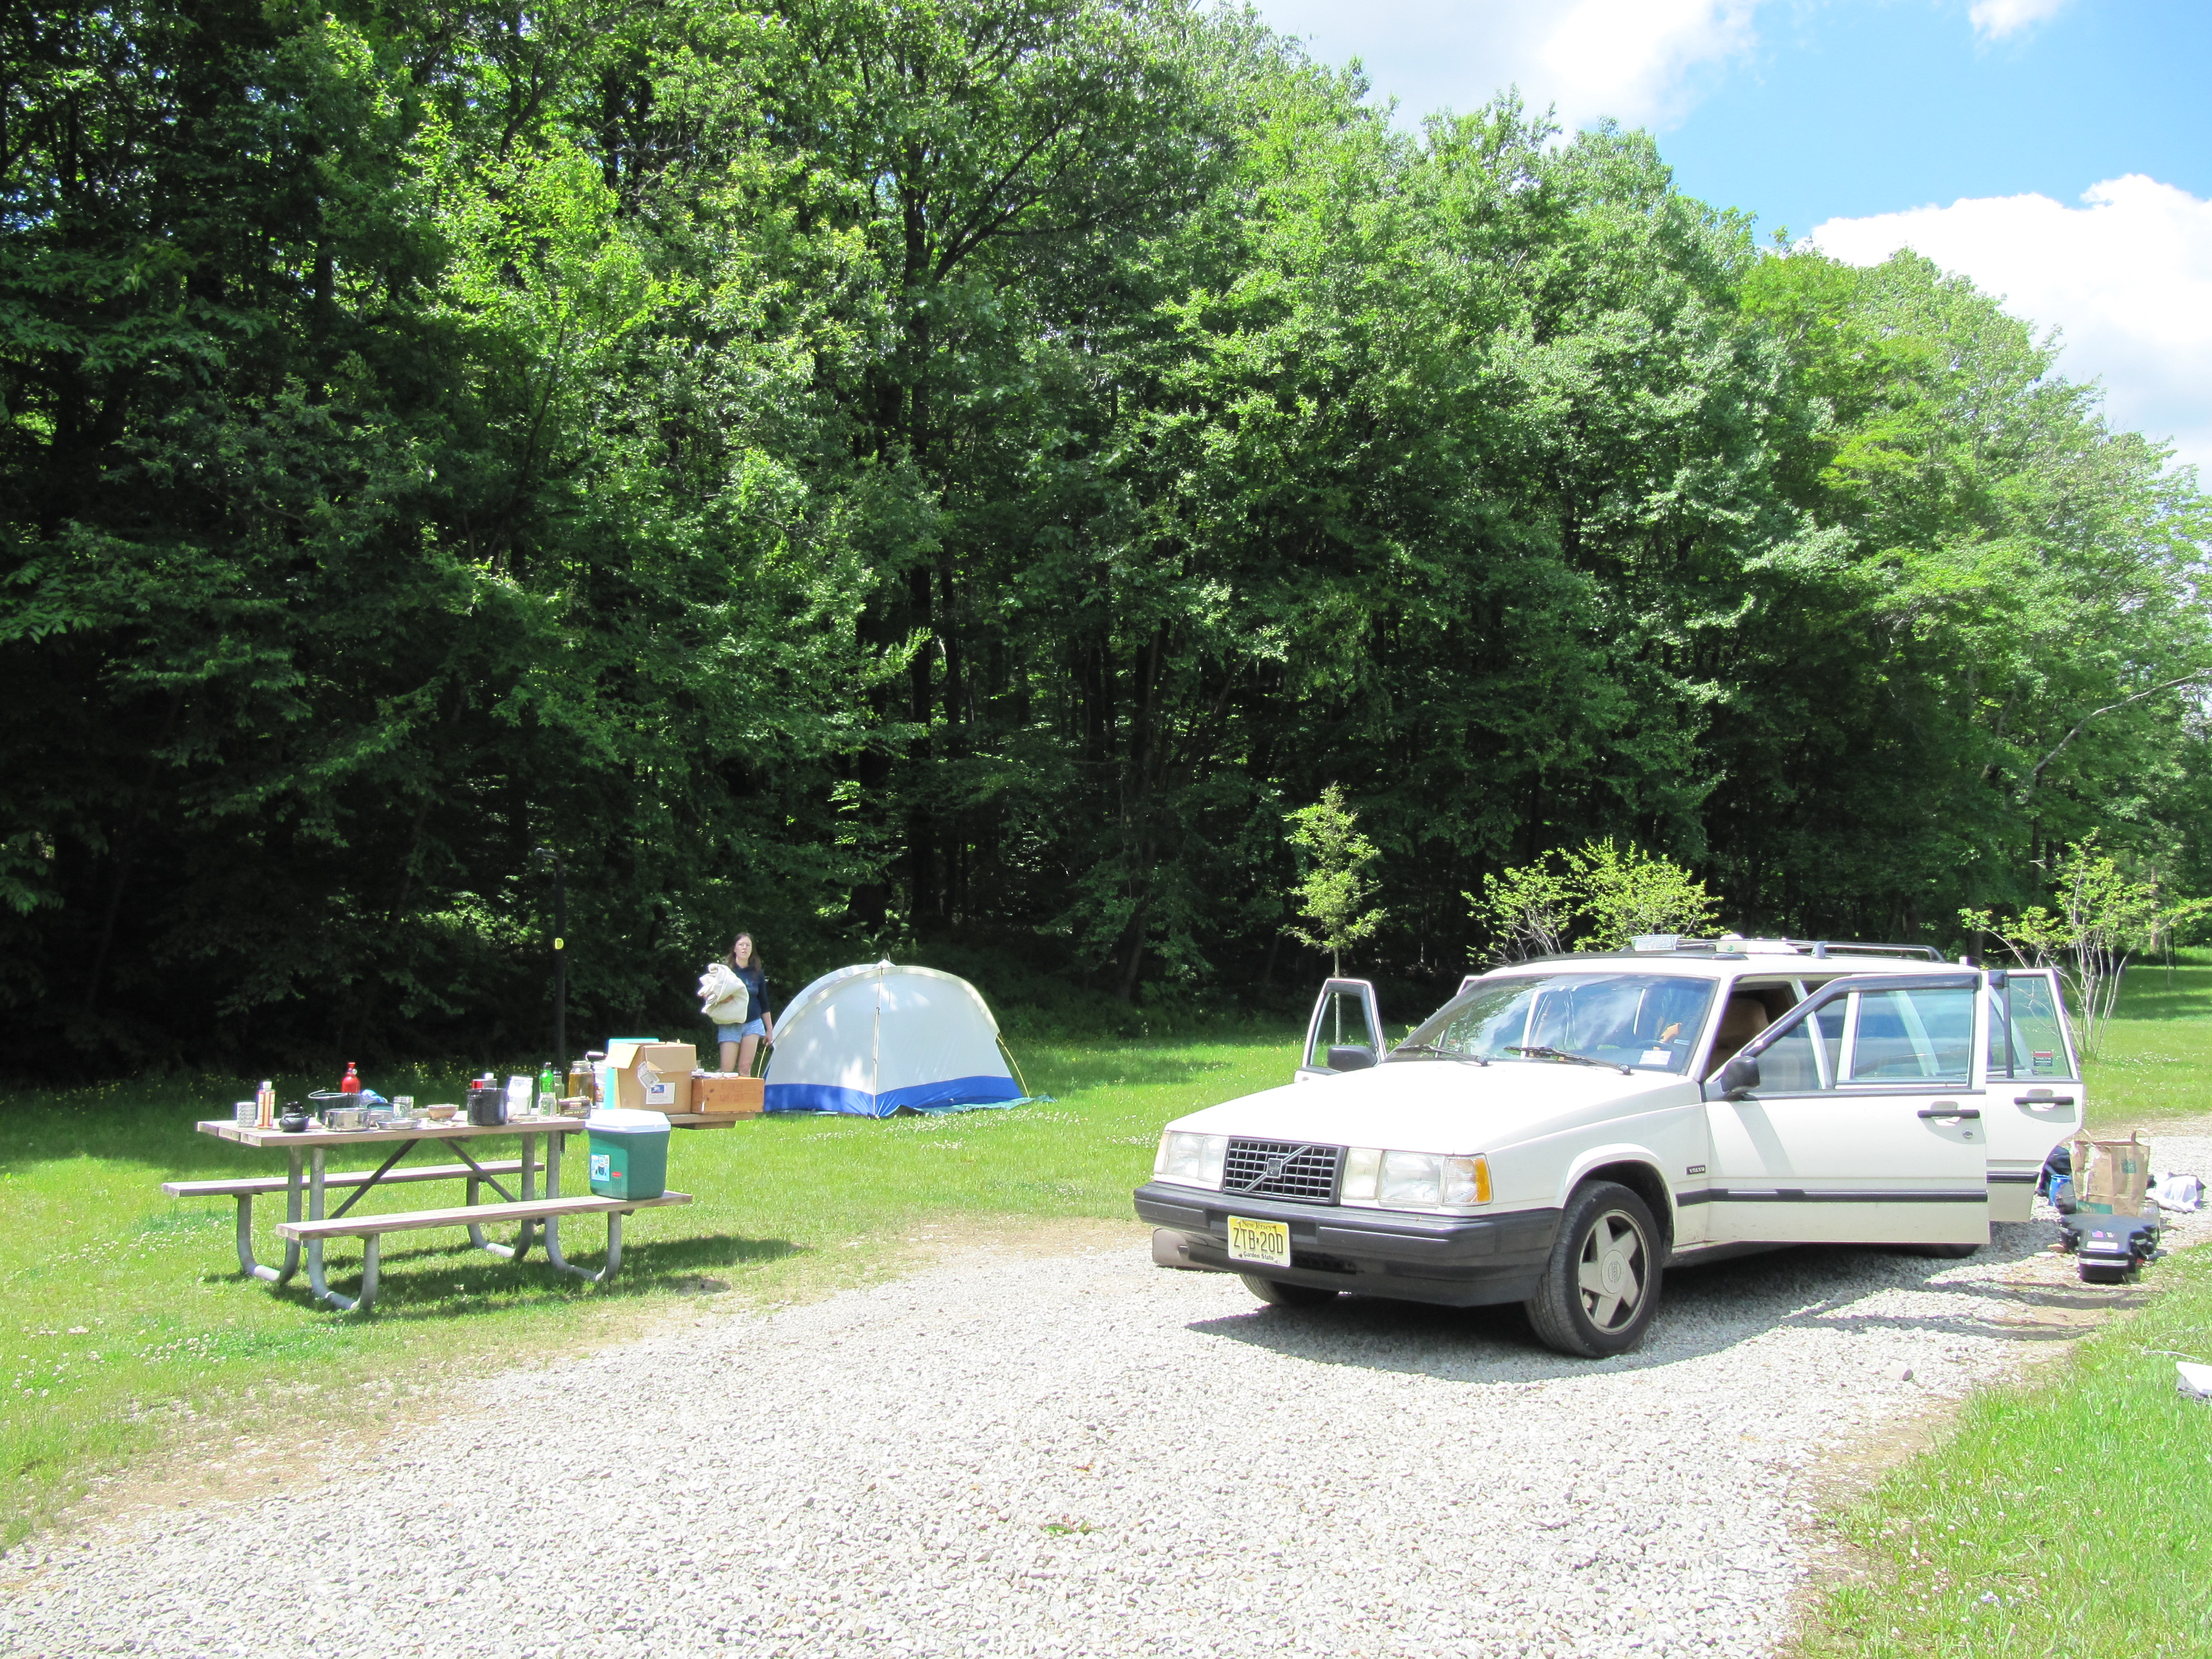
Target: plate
{"x":1266,"y":1243}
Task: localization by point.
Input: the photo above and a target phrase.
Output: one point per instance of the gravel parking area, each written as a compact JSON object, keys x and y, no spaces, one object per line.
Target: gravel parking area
{"x":1088,"y":1456}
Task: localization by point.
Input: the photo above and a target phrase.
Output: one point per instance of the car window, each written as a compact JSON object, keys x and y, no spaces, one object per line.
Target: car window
{"x":1787,"y":1064}
{"x":2038,"y":1036}
{"x":1913,"y":1035}
{"x":1641,"y":1020}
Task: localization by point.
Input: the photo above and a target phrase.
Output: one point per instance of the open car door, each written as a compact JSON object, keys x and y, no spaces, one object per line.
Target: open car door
{"x":2034,"y":1100}
{"x":1345,"y":1031}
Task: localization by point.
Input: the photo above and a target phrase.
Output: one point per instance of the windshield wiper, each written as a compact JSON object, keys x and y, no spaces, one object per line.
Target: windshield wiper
{"x":1545,"y":1051}
{"x":1431,"y":1048}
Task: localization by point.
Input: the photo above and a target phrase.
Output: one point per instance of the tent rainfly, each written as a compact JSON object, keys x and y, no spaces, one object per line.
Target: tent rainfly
{"x":870,"y":1040}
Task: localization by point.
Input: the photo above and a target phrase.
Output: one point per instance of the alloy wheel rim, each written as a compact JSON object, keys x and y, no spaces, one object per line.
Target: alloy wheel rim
{"x":1612,"y":1273}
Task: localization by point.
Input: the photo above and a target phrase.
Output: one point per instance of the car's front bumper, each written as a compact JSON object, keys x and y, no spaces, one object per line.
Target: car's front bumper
{"x":1461,"y":1262}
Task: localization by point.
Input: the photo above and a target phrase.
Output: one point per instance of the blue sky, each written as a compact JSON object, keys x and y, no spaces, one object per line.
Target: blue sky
{"x":2057,"y":151}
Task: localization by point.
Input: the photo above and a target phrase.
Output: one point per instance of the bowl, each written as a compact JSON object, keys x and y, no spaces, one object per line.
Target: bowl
{"x":440,"y":1114}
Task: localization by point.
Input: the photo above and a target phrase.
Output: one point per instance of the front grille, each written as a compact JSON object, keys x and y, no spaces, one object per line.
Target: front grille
{"x":1282,"y":1169}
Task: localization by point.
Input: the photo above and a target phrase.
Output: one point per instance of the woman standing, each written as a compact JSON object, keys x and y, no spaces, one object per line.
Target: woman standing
{"x":739,"y":1043}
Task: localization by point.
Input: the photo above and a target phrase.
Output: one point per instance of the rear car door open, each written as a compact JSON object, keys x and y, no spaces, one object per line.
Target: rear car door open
{"x":2033,"y":1098}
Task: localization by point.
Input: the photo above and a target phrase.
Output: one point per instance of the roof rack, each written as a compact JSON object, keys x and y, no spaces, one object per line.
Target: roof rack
{"x":1816,"y":948}
{"x":1735,"y":949}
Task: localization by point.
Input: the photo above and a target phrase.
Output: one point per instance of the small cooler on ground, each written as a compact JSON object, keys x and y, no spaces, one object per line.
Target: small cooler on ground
{"x":629,"y":1153}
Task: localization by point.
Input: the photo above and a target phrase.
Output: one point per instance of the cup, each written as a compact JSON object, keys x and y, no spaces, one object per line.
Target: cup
{"x":246,"y":1114}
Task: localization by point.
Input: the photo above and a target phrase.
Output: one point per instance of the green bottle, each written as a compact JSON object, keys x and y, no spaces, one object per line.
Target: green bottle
{"x":548,"y":1091}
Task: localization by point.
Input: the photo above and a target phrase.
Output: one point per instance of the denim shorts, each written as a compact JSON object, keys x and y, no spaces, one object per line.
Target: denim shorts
{"x":733,"y":1033}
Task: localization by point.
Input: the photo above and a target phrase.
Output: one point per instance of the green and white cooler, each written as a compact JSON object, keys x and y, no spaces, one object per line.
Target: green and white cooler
{"x":629,"y":1153}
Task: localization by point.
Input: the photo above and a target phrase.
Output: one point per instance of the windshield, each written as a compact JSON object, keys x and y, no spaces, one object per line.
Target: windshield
{"x":1648,"y":1021}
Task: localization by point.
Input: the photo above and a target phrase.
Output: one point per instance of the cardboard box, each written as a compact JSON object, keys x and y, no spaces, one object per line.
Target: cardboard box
{"x":727,"y":1094}
{"x":652,"y":1077}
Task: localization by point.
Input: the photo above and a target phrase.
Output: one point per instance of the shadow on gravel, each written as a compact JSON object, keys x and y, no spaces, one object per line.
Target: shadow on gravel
{"x":1707,"y":1309}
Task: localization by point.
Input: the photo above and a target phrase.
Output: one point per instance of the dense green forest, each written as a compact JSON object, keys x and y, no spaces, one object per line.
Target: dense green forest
{"x":947,"y":479}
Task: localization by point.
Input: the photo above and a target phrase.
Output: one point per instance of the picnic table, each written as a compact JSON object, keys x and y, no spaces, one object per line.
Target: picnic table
{"x":308,"y":1184}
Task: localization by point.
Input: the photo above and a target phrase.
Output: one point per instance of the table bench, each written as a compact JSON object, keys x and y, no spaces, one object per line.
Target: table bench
{"x":247,"y":1190}
{"x":371,"y":1230}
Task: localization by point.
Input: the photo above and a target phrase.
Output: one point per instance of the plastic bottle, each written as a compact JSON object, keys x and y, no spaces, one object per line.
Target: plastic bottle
{"x":351,"y":1084}
{"x":264,"y":1105}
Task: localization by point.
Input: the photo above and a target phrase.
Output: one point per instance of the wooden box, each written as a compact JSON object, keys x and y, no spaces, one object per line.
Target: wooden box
{"x":725,"y":1094}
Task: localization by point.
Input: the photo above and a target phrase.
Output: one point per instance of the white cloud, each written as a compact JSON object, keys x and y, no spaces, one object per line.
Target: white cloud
{"x":1993,"y":19}
{"x":1638,"y":61}
{"x":2127,"y":279}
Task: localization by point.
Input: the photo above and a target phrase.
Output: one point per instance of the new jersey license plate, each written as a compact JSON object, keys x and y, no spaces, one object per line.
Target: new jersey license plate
{"x":1266,"y":1243}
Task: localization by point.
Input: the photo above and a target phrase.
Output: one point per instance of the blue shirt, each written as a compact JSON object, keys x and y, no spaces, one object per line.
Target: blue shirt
{"x":756,"y":989}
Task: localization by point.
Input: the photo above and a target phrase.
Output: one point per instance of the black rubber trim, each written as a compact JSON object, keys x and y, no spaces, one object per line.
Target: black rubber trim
{"x":2014,"y":1177}
{"x":1457,"y":1261}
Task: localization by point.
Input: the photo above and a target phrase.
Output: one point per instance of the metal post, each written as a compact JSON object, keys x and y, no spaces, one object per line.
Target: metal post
{"x":560,"y":963}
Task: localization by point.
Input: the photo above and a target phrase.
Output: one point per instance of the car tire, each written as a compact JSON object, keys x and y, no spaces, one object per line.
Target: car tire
{"x":1284,"y":1295}
{"x":1601,"y":1288}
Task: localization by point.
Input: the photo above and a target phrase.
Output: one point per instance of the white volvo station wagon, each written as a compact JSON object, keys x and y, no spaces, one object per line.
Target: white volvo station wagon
{"x":1563,"y":1129}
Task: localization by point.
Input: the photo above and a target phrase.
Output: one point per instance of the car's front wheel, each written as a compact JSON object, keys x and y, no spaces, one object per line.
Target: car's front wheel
{"x":1284,"y":1295}
{"x":1601,"y":1288}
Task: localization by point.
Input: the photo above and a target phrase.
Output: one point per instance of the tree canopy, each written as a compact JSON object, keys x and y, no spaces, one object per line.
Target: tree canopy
{"x":950,"y":478}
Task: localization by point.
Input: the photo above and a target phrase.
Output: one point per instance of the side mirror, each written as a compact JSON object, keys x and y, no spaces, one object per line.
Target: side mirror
{"x":1739,"y":1077}
{"x":1349,"y":1057}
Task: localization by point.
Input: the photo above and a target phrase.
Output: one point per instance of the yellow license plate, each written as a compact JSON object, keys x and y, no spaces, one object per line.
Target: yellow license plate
{"x":1268,"y":1242}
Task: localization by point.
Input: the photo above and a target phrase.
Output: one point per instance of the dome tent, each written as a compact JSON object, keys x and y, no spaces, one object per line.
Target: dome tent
{"x":876,"y":1039}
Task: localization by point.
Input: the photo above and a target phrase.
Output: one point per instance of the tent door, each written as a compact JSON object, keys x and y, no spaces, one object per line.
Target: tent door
{"x":1345,"y":1032}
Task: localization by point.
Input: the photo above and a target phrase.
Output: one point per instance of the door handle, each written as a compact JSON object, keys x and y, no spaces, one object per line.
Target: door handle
{"x":2043,"y":1100}
{"x":1945,"y":1109}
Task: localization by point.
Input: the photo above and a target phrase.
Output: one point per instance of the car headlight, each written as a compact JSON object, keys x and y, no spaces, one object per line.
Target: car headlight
{"x":1416,"y":1178}
{"x":1191,"y":1160}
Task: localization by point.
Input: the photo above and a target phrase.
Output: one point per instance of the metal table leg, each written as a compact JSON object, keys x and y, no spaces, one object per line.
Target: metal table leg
{"x":316,"y":1284}
{"x":553,"y":1255}
{"x":247,"y":1262}
{"x":315,"y":1281}
{"x":520,"y":1248}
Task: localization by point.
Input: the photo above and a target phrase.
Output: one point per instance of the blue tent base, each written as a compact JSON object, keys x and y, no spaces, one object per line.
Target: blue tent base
{"x":958,"y":1094}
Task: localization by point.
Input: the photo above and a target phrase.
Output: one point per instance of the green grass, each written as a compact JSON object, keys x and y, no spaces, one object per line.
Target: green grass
{"x":2156,"y":1060}
{"x":126,"y":1322}
{"x":2069,"y":1516}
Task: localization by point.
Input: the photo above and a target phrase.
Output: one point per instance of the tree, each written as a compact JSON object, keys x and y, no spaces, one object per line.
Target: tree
{"x":1627,"y":891}
{"x":1601,"y":897}
{"x":1527,"y":911}
{"x":2099,"y":918}
{"x":1335,"y":884}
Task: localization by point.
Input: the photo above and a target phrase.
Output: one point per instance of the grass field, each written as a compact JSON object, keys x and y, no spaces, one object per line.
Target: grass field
{"x":126,"y":1322}
{"x":2068,"y":1517}
{"x":2156,"y":1064}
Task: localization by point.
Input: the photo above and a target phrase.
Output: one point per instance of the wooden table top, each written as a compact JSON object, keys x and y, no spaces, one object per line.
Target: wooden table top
{"x":459,"y":1129}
